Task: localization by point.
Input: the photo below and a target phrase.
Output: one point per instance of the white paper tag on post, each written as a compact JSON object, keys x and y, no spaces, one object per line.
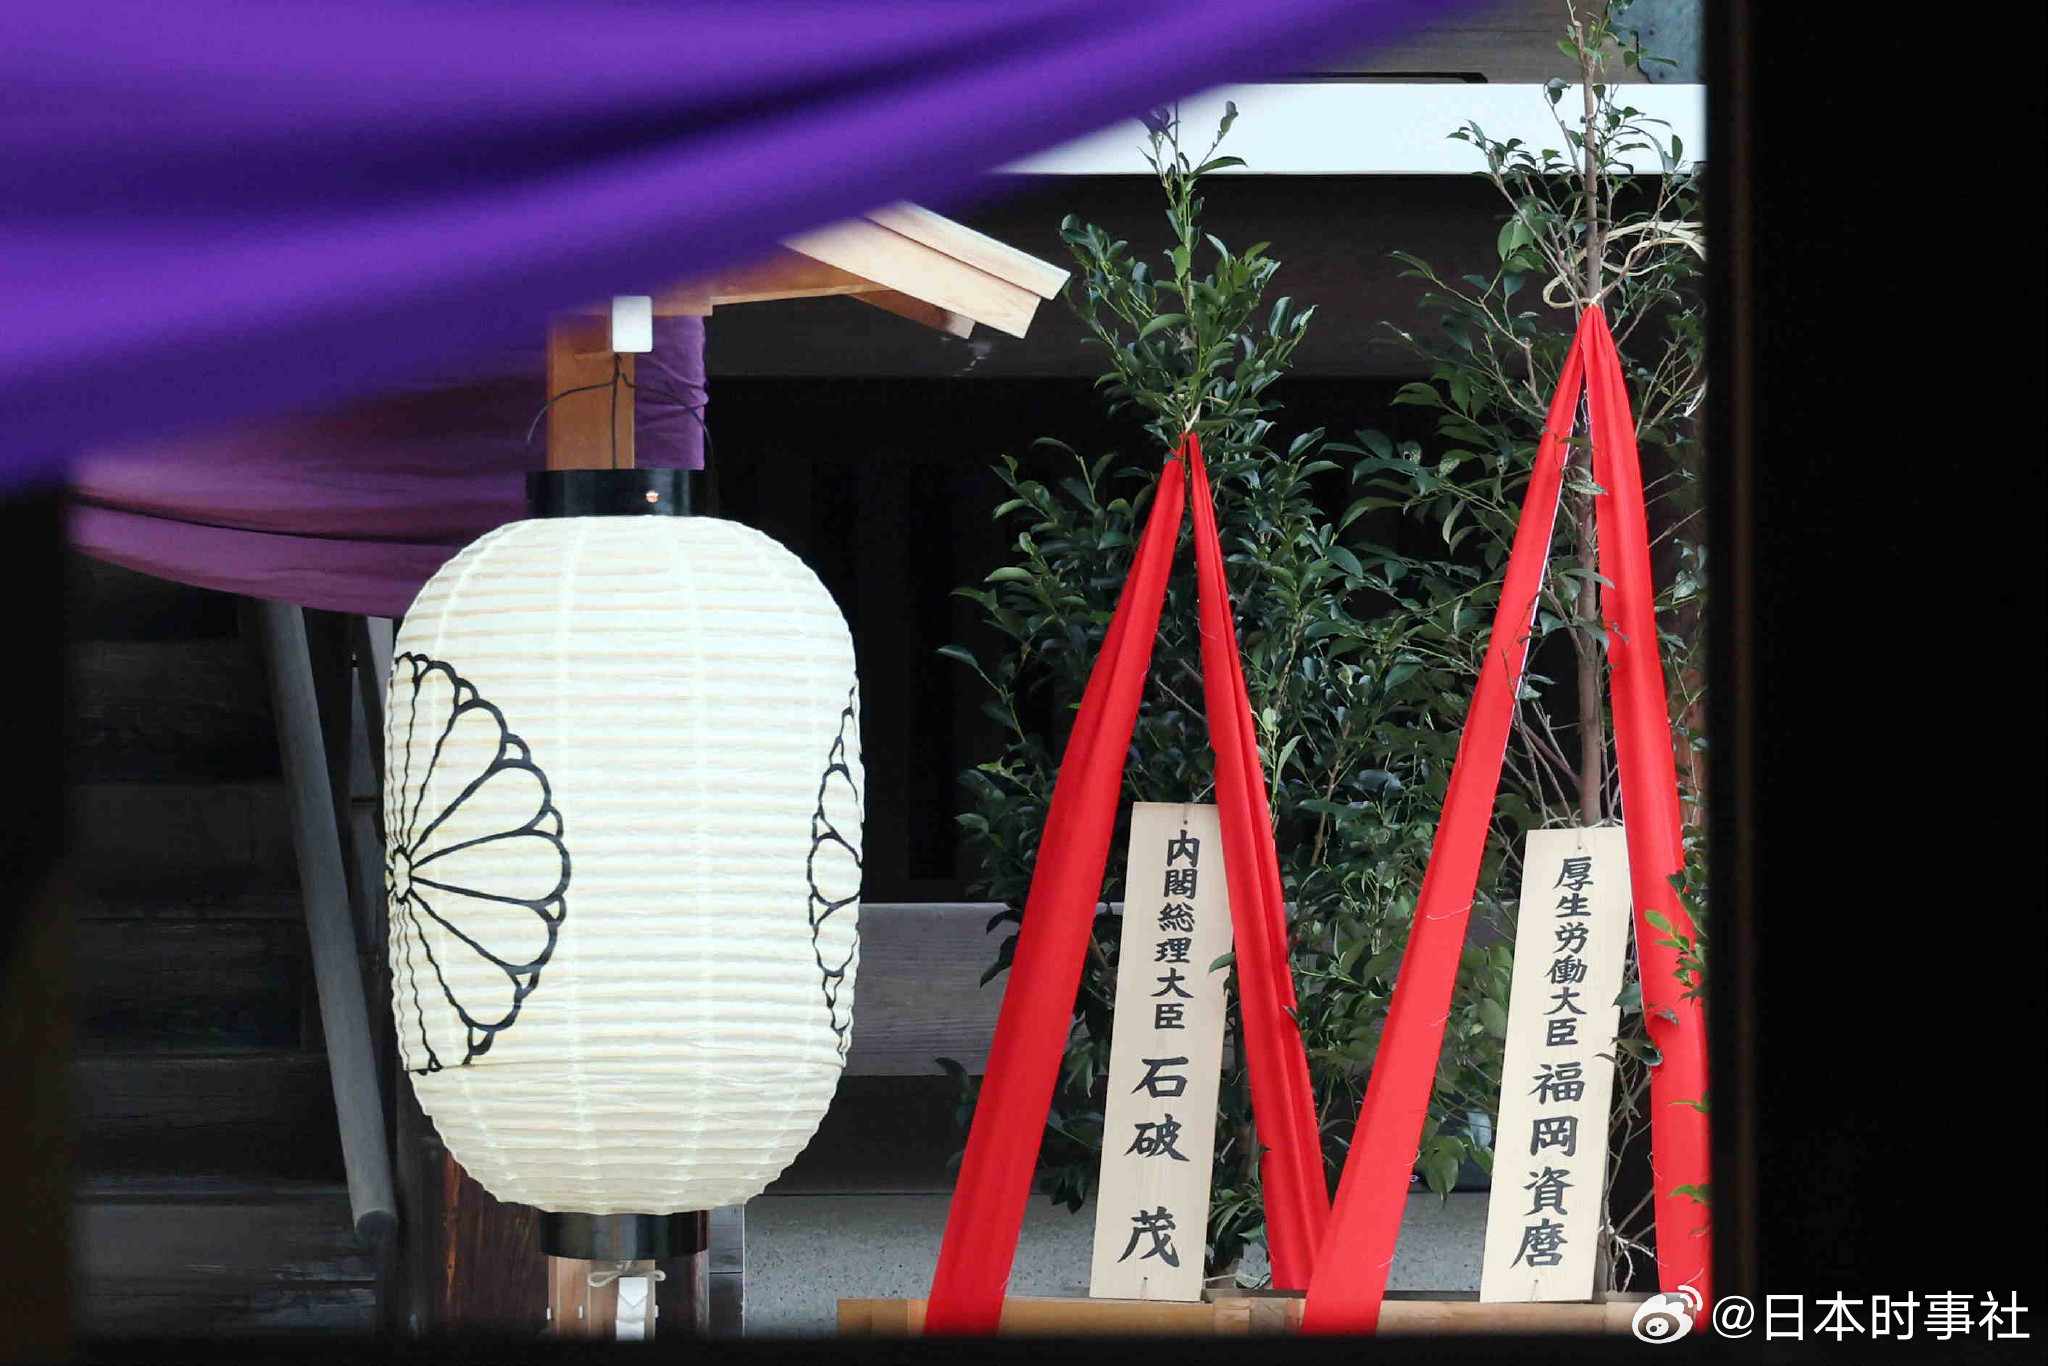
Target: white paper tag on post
{"x":1543,"y":1217}
{"x":633,"y":323}
{"x":1165,"y":1059}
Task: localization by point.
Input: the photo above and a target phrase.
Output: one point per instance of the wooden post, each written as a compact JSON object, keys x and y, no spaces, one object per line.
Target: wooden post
{"x":593,"y":429}
{"x":683,"y":1298}
{"x":576,"y":1309}
{"x":586,"y":431}
{"x":474,"y":1263}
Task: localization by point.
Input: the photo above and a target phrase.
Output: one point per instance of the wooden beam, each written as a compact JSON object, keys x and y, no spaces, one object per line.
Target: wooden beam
{"x":902,"y":258}
{"x":917,"y":310}
{"x":868,"y":249}
{"x":592,"y":429}
{"x":785,"y":274}
{"x":976,"y":249}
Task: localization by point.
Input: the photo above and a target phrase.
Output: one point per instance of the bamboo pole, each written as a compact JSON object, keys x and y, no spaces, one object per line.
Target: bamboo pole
{"x":1243,"y":1316}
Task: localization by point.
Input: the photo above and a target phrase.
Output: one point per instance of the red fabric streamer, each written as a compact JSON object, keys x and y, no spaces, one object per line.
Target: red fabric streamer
{"x":1066,"y":885}
{"x":1038,"y":1005}
{"x":1351,"y":1270}
{"x":1679,"y":1139}
{"x":1291,"y":1168}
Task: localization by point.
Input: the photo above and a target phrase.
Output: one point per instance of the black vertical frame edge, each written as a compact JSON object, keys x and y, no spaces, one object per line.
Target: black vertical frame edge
{"x":1875,"y":808}
{"x":33,"y":564}
{"x":36,"y":1130}
{"x":1730,"y":718}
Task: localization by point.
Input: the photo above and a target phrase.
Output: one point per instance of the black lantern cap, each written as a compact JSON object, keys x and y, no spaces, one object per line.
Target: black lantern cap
{"x":620,"y":1237}
{"x":613,"y":493}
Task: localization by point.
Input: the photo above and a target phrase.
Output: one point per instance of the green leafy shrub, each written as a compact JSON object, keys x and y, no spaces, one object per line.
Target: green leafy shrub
{"x":1360,"y":659}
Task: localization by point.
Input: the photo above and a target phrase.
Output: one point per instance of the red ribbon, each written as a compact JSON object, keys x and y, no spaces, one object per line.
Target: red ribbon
{"x":1679,"y":1131}
{"x":1297,"y":1198}
{"x":1066,"y":886}
{"x":1351,"y":1269}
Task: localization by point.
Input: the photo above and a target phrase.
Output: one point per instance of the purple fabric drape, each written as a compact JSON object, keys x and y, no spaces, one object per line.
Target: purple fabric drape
{"x":218,"y":211}
{"x":352,"y":509}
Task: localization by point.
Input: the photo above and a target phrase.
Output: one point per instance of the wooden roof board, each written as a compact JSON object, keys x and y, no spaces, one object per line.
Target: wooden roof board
{"x":901,"y":258}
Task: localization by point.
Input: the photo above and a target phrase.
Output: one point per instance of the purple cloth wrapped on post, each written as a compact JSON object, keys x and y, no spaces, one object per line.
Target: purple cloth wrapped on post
{"x":353,"y":508}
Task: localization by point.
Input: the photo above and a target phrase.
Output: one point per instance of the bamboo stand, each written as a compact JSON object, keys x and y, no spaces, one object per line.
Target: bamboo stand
{"x":1244,"y":1316}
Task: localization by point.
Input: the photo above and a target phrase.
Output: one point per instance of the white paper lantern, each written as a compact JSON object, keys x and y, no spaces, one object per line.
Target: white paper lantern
{"x":623,"y":813}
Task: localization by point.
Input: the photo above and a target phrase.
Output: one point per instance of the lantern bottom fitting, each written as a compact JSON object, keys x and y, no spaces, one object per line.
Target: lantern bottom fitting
{"x":620,"y":1237}
{"x":638,"y":492}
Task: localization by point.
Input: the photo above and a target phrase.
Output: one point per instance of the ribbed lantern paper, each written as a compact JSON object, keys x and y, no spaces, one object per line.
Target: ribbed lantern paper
{"x":623,"y":814}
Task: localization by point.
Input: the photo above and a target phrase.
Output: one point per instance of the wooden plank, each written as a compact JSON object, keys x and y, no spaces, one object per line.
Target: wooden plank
{"x":917,"y":310}
{"x":1557,"y":1068}
{"x":976,"y":249}
{"x":593,"y":429}
{"x":198,"y":1188}
{"x":301,"y":1311}
{"x":144,"y":835}
{"x":919,"y":994}
{"x":1165,"y":1061}
{"x":235,"y":1242}
{"x":211,"y":1258}
{"x":895,"y":1318}
{"x":869,"y":250}
{"x":575,"y":1308}
{"x":856,"y":1318}
{"x":168,"y":710}
{"x":185,"y":899}
{"x":783,"y":274}
{"x":268,"y":1114}
{"x":1407,"y":1317}
{"x":189,"y":985}
{"x":1026,"y":1316}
